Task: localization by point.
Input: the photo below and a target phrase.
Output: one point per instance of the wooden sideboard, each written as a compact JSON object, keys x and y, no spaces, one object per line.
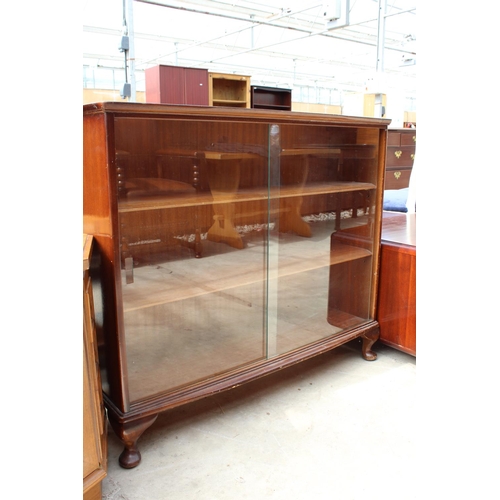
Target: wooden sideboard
{"x":235,"y":243}
{"x":94,"y":418}
{"x":401,"y":147}
{"x":396,"y":312}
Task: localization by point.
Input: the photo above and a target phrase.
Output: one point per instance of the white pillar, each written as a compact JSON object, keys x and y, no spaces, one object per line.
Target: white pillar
{"x":131,"y":51}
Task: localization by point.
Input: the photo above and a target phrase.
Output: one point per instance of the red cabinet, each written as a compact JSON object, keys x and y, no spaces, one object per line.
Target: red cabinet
{"x":176,"y":85}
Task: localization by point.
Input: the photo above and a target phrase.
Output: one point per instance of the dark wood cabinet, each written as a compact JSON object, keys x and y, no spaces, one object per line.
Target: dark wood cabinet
{"x":235,"y":242}
{"x":271,"y":98}
{"x":176,"y":85}
{"x":401,"y":147}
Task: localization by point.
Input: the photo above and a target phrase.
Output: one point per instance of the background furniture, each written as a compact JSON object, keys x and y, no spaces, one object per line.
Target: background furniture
{"x":395,"y":200}
{"x":94,"y":418}
{"x":235,"y":242}
{"x":176,"y":85}
{"x":401,"y":146}
{"x":271,"y":98}
{"x":228,"y":90}
{"x":396,"y":311}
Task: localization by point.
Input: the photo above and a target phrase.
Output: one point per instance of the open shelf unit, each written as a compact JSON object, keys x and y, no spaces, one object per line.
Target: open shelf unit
{"x":228,"y":90}
{"x":234,"y":242}
{"x":271,"y":98}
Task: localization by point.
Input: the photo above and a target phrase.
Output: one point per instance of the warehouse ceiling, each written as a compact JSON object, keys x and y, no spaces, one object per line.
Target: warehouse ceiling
{"x":285,"y":43}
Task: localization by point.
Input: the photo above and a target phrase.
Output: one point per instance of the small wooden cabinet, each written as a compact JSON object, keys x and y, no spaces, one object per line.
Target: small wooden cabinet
{"x":401,"y":146}
{"x":225,"y":89}
{"x":235,"y":242}
{"x":271,"y":98}
{"x":176,"y":85}
{"x":94,"y":418}
{"x":396,"y":312}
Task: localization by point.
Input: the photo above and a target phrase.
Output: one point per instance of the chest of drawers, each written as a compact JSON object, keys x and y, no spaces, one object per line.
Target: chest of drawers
{"x":401,"y":146}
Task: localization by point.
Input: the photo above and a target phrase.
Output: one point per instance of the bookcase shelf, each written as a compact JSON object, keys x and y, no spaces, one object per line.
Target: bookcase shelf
{"x":271,"y":98}
{"x":228,"y":90}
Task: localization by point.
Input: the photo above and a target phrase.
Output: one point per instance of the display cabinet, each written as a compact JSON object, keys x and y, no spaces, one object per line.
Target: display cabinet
{"x":235,"y":243}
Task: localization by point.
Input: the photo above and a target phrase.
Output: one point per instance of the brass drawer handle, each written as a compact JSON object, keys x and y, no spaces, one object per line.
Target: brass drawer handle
{"x":398,"y":154}
{"x":412,"y":156}
{"x":397,"y":175}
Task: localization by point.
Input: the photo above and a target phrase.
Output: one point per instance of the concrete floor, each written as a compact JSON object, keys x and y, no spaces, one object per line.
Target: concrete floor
{"x":333,"y":427}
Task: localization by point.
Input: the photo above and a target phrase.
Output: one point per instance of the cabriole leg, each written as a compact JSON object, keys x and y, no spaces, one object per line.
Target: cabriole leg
{"x":369,"y":338}
{"x":129,"y":433}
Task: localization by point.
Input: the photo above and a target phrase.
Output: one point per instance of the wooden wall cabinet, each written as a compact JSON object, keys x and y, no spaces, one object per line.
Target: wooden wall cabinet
{"x":235,"y":243}
{"x":401,"y":147}
{"x":271,"y":98}
{"x":225,"y":89}
{"x":94,"y":418}
{"x":176,"y":85}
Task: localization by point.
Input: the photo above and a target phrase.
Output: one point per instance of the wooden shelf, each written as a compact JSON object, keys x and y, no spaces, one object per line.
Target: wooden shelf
{"x":242,"y":195}
{"x":201,"y":277}
{"x":229,"y":102}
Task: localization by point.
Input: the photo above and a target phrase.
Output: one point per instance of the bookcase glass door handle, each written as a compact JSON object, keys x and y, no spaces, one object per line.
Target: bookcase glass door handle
{"x":397,"y":175}
{"x":398,"y":154}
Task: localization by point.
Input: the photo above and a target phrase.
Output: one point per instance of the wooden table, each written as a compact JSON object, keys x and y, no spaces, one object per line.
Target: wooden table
{"x":396,"y":310}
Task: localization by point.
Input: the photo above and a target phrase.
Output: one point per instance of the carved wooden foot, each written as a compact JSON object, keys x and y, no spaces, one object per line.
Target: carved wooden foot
{"x":369,"y":338}
{"x":129,"y":433}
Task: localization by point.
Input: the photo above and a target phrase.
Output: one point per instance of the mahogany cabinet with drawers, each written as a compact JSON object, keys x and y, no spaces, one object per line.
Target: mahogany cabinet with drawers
{"x":401,"y":146}
{"x":235,"y":242}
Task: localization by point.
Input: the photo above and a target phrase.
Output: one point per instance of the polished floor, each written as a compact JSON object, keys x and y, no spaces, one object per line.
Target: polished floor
{"x":333,"y":427}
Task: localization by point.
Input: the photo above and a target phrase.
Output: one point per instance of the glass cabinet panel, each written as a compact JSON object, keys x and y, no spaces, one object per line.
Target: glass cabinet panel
{"x":323,"y":240}
{"x":192,"y":218}
{"x":236,"y":241}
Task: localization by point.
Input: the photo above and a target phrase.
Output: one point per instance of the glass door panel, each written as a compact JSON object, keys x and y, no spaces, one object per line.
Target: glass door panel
{"x":322,"y":238}
{"x":193,"y":231}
